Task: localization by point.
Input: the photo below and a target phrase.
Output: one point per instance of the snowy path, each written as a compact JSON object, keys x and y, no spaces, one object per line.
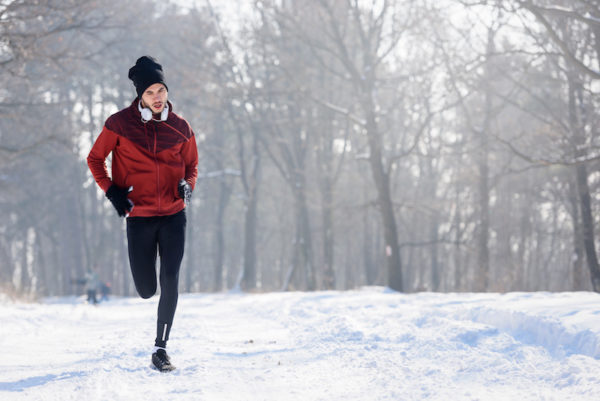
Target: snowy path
{"x":371,"y":344}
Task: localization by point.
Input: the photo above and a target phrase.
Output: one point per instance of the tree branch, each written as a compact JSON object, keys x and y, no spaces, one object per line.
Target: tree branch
{"x":559,"y":42}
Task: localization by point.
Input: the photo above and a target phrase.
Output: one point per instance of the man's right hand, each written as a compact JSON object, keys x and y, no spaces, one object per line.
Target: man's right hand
{"x":118,"y":197}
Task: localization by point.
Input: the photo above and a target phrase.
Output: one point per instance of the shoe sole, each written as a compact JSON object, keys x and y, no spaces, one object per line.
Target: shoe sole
{"x":163,"y":370}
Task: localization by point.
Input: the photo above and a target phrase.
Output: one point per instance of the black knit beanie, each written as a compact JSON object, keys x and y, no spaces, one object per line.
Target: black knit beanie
{"x":145,"y":73}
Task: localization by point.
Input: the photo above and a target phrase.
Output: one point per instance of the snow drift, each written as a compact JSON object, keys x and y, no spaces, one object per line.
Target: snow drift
{"x":370,"y":344}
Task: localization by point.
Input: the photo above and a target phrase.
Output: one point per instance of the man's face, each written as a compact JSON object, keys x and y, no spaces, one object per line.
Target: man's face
{"x":155,"y":97}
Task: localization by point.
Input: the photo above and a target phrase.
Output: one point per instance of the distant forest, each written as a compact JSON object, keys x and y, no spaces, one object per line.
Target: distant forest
{"x":416,"y":144}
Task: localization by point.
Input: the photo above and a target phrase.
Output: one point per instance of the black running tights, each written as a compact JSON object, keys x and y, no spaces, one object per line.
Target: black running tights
{"x":146,"y":236}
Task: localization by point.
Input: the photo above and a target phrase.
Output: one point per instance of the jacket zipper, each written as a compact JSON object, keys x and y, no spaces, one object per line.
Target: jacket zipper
{"x":157,"y":170}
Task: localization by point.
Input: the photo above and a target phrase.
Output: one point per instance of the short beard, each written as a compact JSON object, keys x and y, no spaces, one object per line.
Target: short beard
{"x":144,"y":105}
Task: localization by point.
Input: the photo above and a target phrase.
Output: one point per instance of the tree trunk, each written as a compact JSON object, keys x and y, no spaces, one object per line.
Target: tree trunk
{"x":249,"y":281}
{"x":583,"y":190}
{"x":41,"y":267}
{"x":483,"y":252}
{"x":5,"y":263}
{"x":328,"y":241}
{"x":224,"y":195}
{"x":588,"y":225}
{"x":504,"y":277}
{"x":24,"y":279}
{"x":436,"y":274}
{"x":250,"y":215}
{"x":302,"y":260}
{"x":386,"y":207}
{"x":371,"y":270}
{"x":324,"y":167}
{"x":457,"y":221}
{"x":577,"y":273}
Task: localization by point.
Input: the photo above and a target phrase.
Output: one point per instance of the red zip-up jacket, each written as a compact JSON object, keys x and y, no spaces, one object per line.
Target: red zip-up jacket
{"x":150,"y":157}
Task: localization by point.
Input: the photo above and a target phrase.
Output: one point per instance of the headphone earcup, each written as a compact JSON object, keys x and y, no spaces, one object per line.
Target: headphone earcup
{"x":165,"y":113}
{"x":146,"y":114}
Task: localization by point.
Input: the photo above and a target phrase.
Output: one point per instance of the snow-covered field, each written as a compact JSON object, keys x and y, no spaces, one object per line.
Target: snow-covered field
{"x":372,"y":344}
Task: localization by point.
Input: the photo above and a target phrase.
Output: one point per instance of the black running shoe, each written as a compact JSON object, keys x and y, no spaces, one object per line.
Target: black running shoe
{"x":161,"y":361}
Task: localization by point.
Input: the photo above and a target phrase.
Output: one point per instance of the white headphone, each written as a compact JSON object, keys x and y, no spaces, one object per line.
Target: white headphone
{"x":147,"y":113}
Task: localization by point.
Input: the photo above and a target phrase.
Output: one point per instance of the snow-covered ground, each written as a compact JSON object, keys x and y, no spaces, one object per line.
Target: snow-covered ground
{"x":371,"y":344}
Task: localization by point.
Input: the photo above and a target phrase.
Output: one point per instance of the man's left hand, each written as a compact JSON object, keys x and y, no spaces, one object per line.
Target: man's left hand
{"x":185,"y":191}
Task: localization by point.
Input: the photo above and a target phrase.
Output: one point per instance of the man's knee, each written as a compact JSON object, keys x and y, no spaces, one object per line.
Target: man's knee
{"x":146,"y":291}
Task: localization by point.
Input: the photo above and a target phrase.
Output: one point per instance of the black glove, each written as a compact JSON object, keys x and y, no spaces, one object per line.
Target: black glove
{"x":118,"y":197}
{"x":185,"y":191}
